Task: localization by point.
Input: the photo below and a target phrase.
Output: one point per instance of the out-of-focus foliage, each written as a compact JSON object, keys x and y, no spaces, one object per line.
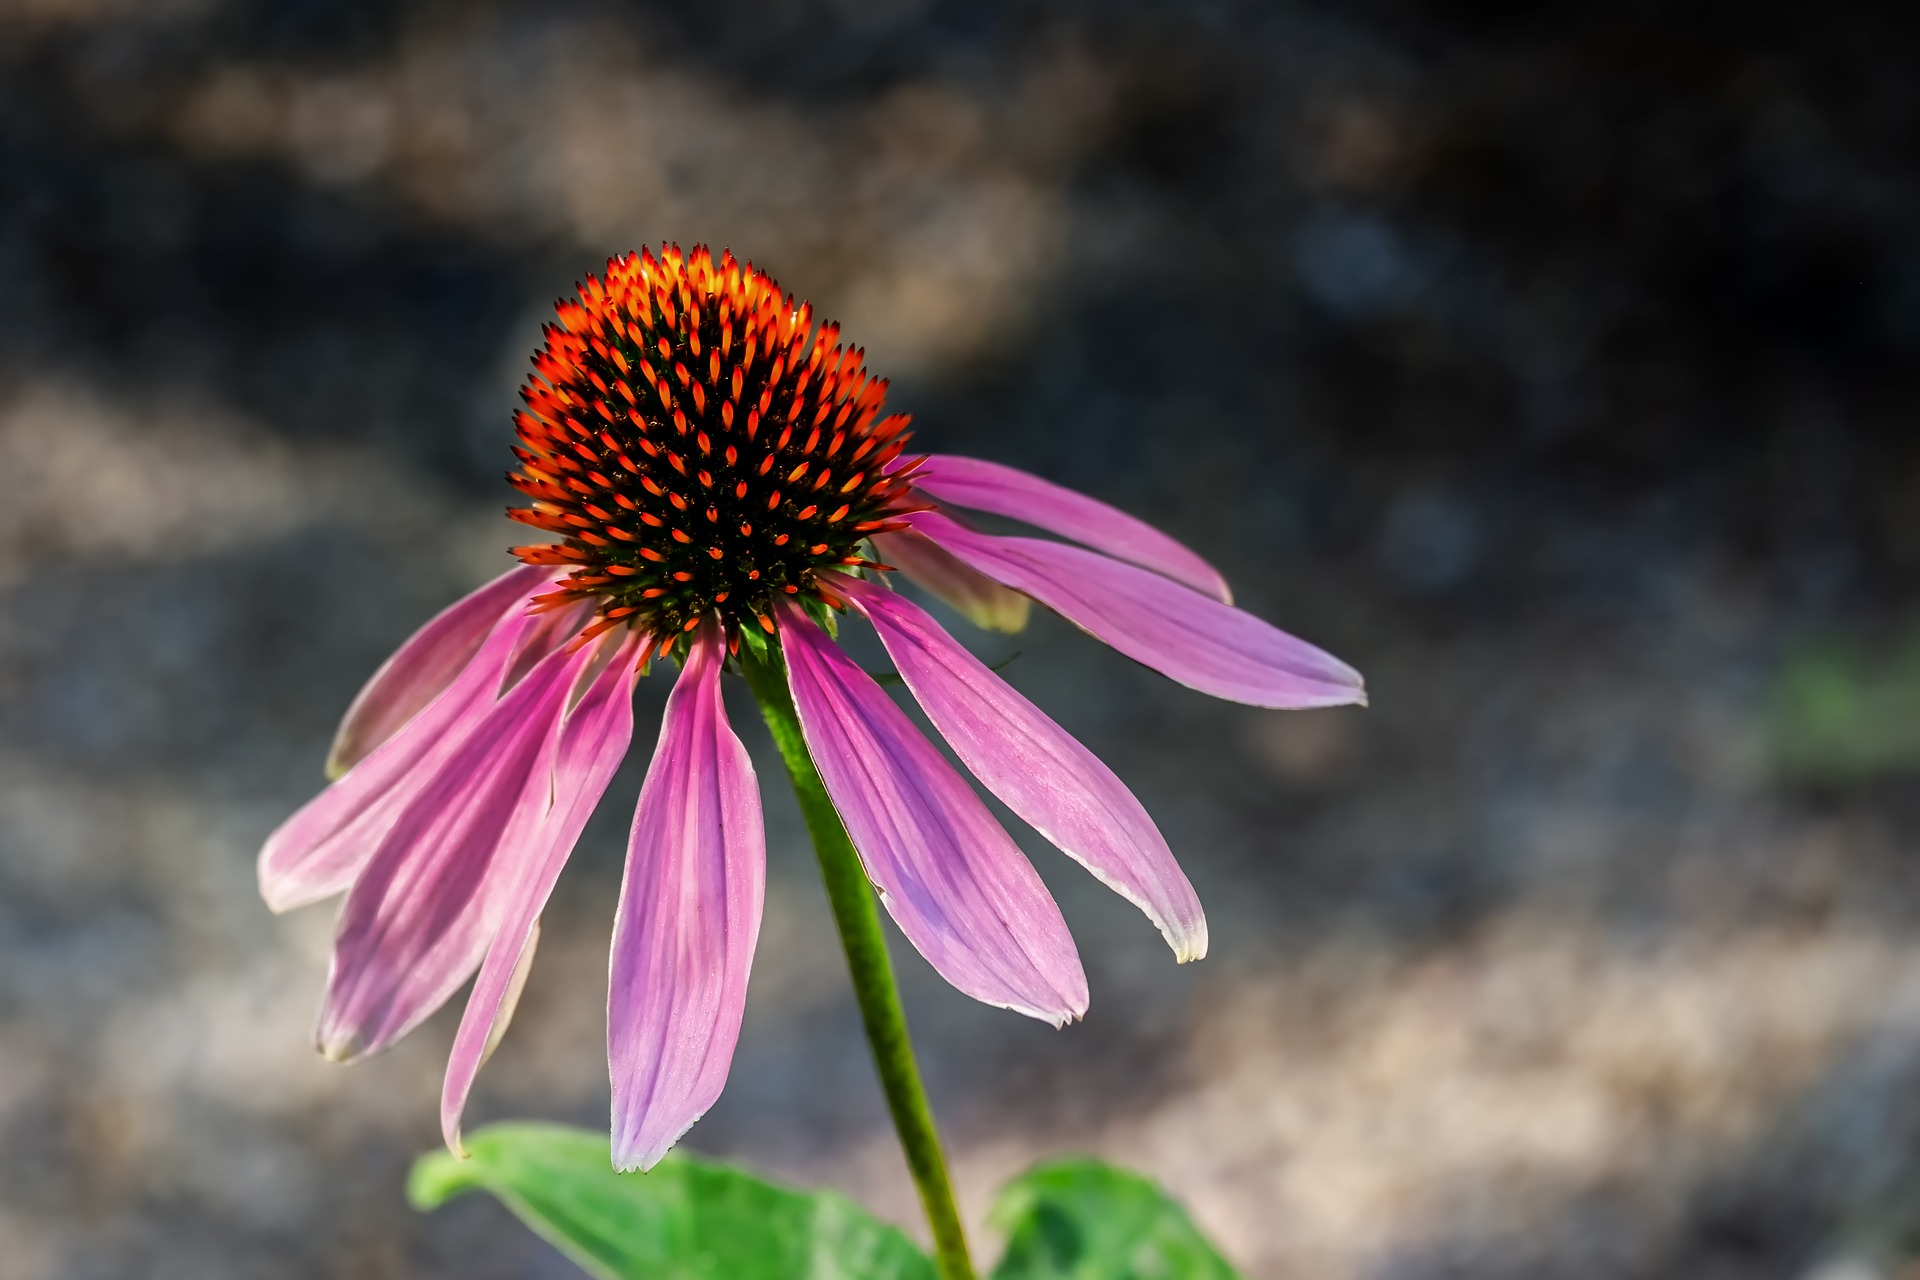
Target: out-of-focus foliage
{"x":1845,"y":714}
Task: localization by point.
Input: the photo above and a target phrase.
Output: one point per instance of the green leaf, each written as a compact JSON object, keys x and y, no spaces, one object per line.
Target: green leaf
{"x":686,"y":1218}
{"x":1084,"y":1220}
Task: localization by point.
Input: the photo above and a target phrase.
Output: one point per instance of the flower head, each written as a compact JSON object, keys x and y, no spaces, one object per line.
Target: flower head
{"x":700,"y":448}
{"x":721,"y":478}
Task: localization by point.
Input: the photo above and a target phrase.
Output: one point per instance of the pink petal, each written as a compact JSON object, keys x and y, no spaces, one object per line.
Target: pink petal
{"x":955,"y":883}
{"x":581,"y":760}
{"x":1038,"y":770}
{"x":1007,"y":491}
{"x":425,"y":665}
{"x":546,"y":631}
{"x":510,"y":1001}
{"x":421,"y":914}
{"x":688,"y":919}
{"x":984,"y":602}
{"x":318,"y":851}
{"x":1192,"y":638}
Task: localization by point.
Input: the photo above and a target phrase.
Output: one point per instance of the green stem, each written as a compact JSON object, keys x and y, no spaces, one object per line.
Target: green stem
{"x":858,"y":916}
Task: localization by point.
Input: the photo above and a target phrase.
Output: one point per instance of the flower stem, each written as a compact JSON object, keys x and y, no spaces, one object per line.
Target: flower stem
{"x":858,"y":916}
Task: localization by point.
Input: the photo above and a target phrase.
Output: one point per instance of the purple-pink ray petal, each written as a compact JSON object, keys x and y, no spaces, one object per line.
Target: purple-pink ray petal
{"x":425,"y":665}
{"x":1191,"y":638}
{"x":688,"y":919}
{"x":980,"y":599}
{"x":1018,"y":495}
{"x":1038,"y":770}
{"x":318,"y":851}
{"x":424,"y":909}
{"x":546,"y":631}
{"x":952,"y":879}
{"x":510,"y":1001}
{"x":580,"y":760}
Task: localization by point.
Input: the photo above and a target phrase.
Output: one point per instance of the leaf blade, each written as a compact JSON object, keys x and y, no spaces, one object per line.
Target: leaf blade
{"x":686,"y":1220}
{"x":1085,"y":1220}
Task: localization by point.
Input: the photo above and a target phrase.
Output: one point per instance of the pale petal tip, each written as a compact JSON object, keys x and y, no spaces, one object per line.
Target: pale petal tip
{"x":1190,"y":946}
{"x":1071,"y":1012}
{"x":337,"y":764}
{"x":338,"y":1047}
{"x":279,"y":897}
{"x":1057,"y":1017}
{"x":1351,"y":684}
{"x":633,"y":1156}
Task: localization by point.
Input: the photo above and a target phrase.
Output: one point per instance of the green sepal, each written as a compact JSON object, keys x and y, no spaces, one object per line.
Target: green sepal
{"x":823,"y":613}
{"x":757,"y":643}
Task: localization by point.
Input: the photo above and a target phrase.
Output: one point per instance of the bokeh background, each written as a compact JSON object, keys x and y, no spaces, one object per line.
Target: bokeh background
{"x":1555,"y":364}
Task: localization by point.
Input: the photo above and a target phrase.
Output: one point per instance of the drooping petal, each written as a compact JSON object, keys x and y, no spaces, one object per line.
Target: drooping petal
{"x":421,"y":913}
{"x":1182,"y":634}
{"x":1038,"y":770}
{"x":582,"y":757}
{"x":425,"y":665}
{"x":516,"y":986}
{"x":1018,"y":495}
{"x":688,"y":919}
{"x":984,"y":602}
{"x":952,"y":879}
{"x":318,"y":851}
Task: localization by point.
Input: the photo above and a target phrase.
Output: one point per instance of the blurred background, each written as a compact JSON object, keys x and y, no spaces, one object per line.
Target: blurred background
{"x":1554,"y":364}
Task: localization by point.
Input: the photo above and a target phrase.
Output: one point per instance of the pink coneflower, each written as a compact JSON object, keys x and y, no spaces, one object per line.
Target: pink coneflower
{"x":721,"y":477}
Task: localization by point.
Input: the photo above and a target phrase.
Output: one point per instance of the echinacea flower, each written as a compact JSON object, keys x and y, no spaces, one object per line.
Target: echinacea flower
{"x":718,"y":472}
